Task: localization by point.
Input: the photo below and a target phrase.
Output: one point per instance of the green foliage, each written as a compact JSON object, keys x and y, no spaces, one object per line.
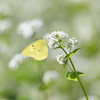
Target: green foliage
{"x":71,"y":53}
{"x":72,"y":76}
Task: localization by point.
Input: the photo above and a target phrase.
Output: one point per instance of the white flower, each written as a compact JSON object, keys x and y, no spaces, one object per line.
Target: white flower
{"x":16,"y":60}
{"x":25,"y":29}
{"x":51,"y":43}
{"x":54,"y":37}
{"x":60,"y":58}
{"x":58,"y":35}
{"x":5,"y":24}
{"x":28,"y":28}
{"x":72,"y":42}
{"x":62,"y":35}
{"x":50,"y":76}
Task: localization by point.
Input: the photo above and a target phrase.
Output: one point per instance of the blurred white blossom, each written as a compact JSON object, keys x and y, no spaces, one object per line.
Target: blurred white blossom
{"x":25,"y":29}
{"x":50,"y":76}
{"x":90,"y":98}
{"x":72,"y":42}
{"x":54,"y":37}
{"x":16,"y":60}
{"x":5,"y":24}
{"x":28,"y":27}
{"x":61,"y":59}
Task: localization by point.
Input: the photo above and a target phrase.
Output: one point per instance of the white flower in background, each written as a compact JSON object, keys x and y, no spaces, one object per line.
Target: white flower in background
{"x":90,"y":98}
{"x":61,"y":59}
{"x":72,"y":42}
{"x":50,"y":76}
{"x":16,"y":60}
{"x":25,"y":29}
{"x":28,"y":28}
{"x":54,"y":37}
{"x":5,"y":24}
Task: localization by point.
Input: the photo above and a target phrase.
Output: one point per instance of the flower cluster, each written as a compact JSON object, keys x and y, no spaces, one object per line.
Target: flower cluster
{"x":72,"y":42}
{"x":16,"y":60}
{"x":28,"y":28}
{"x":49,"y":76}
{"x":61,"y":59}
{"x":55,"y":38}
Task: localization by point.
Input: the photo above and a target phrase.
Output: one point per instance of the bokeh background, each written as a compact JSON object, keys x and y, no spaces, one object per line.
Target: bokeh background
{"x":78,"y":18}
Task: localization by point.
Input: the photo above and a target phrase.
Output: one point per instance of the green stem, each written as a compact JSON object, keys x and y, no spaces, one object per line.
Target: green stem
{"x":79,"y":80}
{"x":70,"y":68}
{"x":70,"y":50}
{"x":77,"y":76}
{"x":64,"y":51}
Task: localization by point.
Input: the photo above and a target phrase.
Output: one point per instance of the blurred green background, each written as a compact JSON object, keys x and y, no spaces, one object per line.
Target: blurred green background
{"x":78,"y":18}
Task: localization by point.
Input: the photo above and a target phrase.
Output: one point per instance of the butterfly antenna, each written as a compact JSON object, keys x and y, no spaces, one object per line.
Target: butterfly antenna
{"x":41,"y":35}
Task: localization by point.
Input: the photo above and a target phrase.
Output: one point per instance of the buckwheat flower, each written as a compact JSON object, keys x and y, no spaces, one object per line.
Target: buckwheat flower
{"x":5,"y":24}
{"x":58,"y":35}
{"x":61,"y":59}
{"x":54,"y":35}
{"x":25,"y":29}
{"x":16,"y":60}
{"x":53,"y":44}
{"x":62,"y":35}
{"x":72,"y":42}
{"x":50,"y":76}
{"x":54,"y":38}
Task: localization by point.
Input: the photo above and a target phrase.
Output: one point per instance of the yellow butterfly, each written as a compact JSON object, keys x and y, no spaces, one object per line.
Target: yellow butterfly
{"x":38,"y":50}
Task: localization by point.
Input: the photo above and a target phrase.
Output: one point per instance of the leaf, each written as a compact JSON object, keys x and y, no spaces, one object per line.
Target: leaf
{"x":71,"y":54}
{"x":72,"y":76}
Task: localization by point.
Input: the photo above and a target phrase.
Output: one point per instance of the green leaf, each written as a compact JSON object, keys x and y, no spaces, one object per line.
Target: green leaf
{"x":56,"y":48}
{"x":72,"y":76}
{"x":71,"y":54}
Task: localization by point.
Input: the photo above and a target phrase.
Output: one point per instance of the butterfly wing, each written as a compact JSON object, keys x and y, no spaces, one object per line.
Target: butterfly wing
{"x":38,"y":50}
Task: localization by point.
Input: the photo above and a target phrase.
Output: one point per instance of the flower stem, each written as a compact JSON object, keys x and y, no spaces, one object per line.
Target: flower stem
{"x":70,"y":68}
{"x":79,"y":80}
{"x":77,"y":76}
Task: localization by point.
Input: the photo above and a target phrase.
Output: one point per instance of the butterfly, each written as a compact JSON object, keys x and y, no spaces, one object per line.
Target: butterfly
{"x":38,"y":50}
